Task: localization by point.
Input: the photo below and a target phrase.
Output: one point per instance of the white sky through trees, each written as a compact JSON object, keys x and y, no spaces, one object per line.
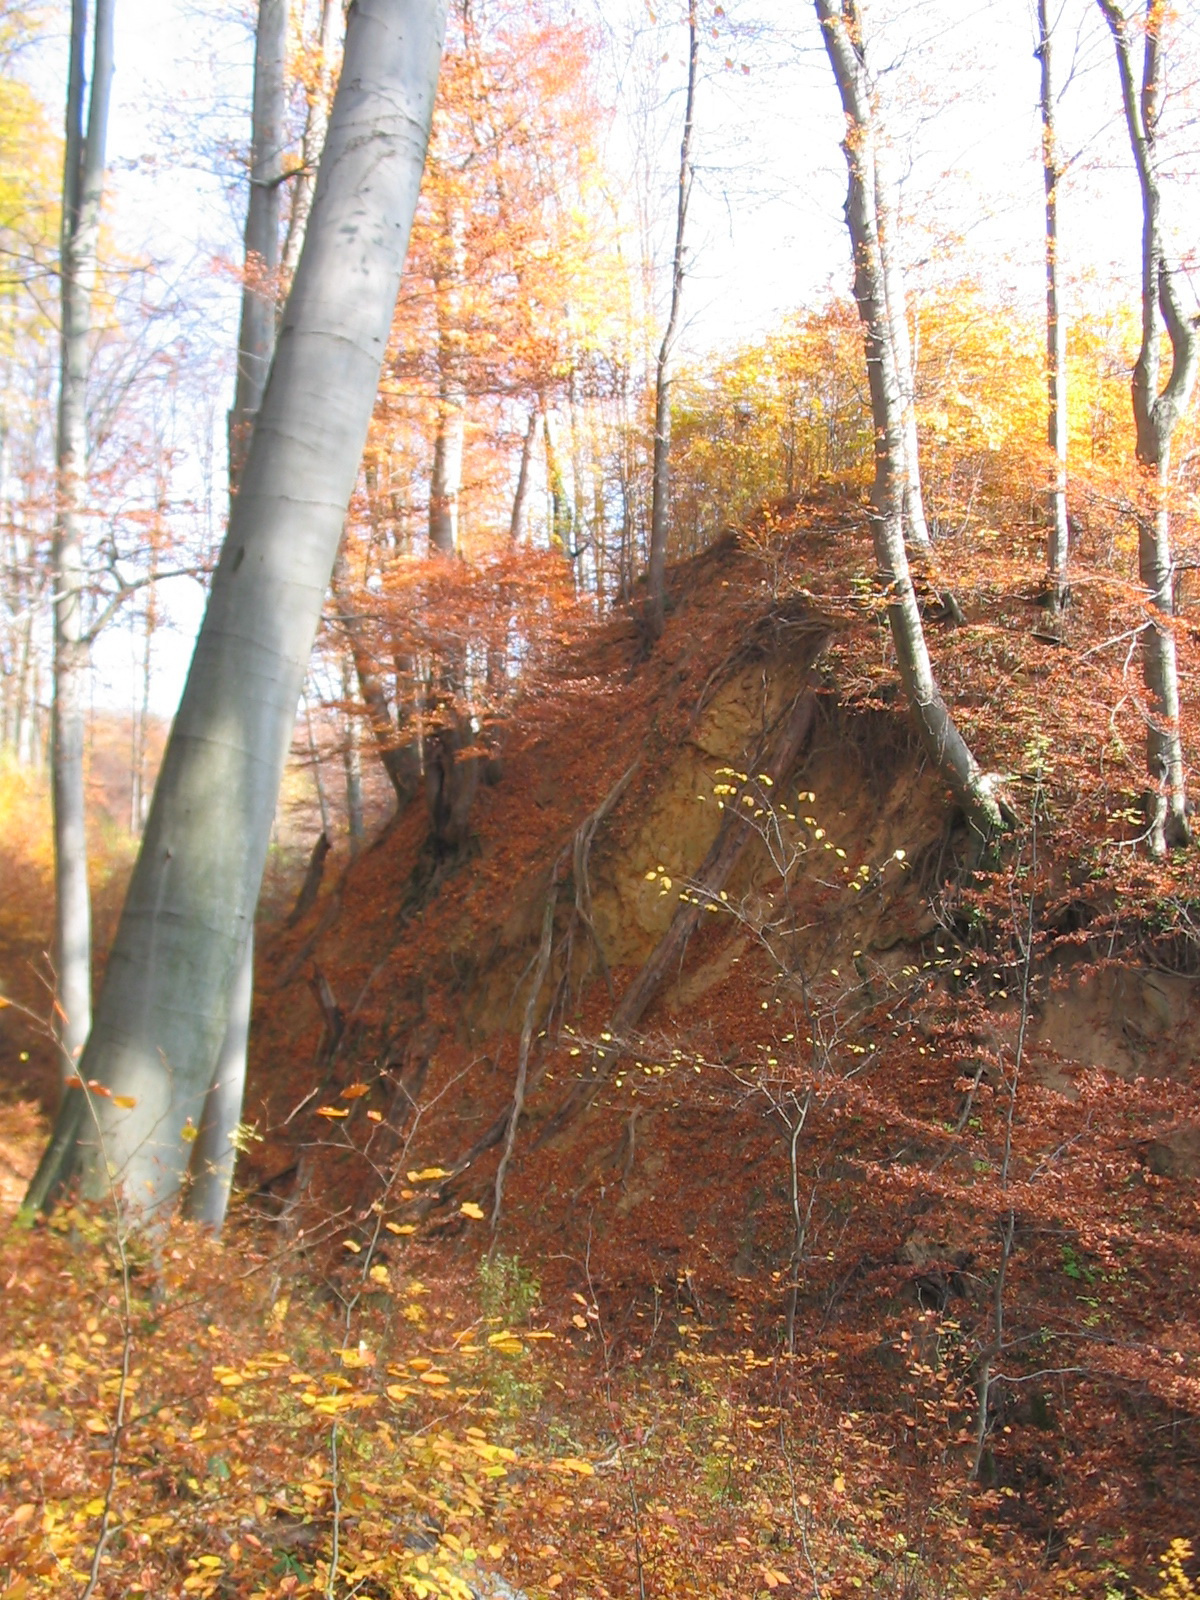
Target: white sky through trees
{"x":766,"y":232}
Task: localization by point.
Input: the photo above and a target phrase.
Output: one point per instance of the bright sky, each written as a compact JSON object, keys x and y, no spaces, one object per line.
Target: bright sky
{"x":959,"y":84}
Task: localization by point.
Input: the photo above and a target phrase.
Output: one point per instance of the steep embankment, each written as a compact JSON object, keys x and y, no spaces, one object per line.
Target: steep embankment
{"x":919,"y":1142}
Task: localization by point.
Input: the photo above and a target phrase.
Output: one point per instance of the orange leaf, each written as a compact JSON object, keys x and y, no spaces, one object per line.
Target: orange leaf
{"x":125,"y":1101}
{"x":355,"y":1091}
{"x":331,"y":1111}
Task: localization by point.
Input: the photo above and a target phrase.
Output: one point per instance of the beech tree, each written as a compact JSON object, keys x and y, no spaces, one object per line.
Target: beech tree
{"x":660,"y":494}
{"x":1157,"y":410}
{"x":214,"y":1153}
{"x":165,"y":1003}
{"x":1058,"y":542}
{"x":841,"y":27}
{"x":83,"y":187}
{"x":256,"y":336}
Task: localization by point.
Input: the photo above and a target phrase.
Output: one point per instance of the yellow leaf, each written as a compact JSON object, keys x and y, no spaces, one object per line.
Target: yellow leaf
{"x":470,"y":1209}
{"x":400,"y":1227}
{"x":95,"y":1508}
{"x":356,"y":1356}
{"x":428,"y":1175}
{"x":189,"y":1133}
{"x":839,"y":1484}
{"x":434,"y":1377}
{"x":580,"y":1322}
{"x":379,"y":1274}
{"x":125,"y":1101}
{"x":420,"y":1364}
{"x":331,"y":1111}
{"x":355,"y":1091}
{"x":397,"y":1391}
{"x":374,"y":1116}
{"x":584,"y":1469}
{"x":96,"y":1425}
{"x":540,"y":1333}
{"x":353,"y":1246}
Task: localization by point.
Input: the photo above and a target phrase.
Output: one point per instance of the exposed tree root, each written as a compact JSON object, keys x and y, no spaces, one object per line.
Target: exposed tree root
{"x":777,"y":754}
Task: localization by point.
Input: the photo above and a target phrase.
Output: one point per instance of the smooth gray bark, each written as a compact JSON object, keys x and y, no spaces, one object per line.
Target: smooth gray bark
{"x":215,"y":1151}
{"x":83,"y":187}
{"x":1058,"y":542}
{"x":916,"y":529}
{"x":165,"y":1002}
{"x":842,"y":31}
{"x":660,"y":493}
{"x":1157,"y":410}
{"x":315,"y":125}
{"x":260,"y":284}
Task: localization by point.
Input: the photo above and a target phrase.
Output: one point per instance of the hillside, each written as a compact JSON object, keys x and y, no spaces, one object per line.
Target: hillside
{"x":861,"y":1212}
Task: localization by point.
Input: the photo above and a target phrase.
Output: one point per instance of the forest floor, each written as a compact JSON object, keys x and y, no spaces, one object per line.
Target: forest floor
{"x":860,"y":1263}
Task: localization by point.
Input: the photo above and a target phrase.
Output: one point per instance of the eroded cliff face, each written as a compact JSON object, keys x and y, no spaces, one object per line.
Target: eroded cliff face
{"x":858,"y":1098}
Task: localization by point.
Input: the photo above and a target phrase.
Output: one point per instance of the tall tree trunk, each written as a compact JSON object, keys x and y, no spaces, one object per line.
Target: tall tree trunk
{"x":1156,"y":413}
{"x":214,"y":1153}
{"x":842,"y":30}
{"x":260,"y":286}
{"x":656,"y":578}
{"x":215,"y":1150}
{"x":516,"y":526}
{"x":83,"y":186}
{"x":916,"y":529}
{"x":165,"y":1002}
{"x":352,"y":766}
{"x":1058,"y":542}
{"x":315,"y":124}
{"x":401,"y":762}
{"x":560,"y":510}
{"x":445,"y":484}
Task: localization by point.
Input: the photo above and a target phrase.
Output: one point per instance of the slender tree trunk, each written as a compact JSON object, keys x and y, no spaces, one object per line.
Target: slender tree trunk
{"x":445,"y":484}
{"x":401,"y":762}
{"x":352,"y":766}
{"x":215,"y":1151}
{"x":214,"y":1154}
{"x":916,"y":529}
{"x":656,"y":580}
{"x":560,"y":510}
{"x":944,"y":744}
{"x":165,"y":1003}
{"x":516,"y":526}
{"x":316,"y":122}
{"x":1157,"y":412}
{"x":1058,"y":543}
{"x":260,"y":286}
{"x":141,"y":717}
{"x":83,"y":185}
